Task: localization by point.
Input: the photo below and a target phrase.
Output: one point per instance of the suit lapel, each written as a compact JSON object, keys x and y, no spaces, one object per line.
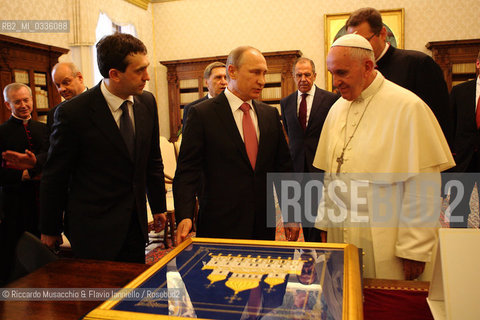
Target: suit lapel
{"x":317,"y":102}
{"x":224,"y":112}
{"x":103,"y":119}
{"x":263,"y":142}
{"x":292,"y":113}
{"x":139,"y":111}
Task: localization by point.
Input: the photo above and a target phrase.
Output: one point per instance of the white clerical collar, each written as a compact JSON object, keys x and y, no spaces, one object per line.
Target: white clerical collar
{"x":23,"y":120}
{"x":372,"y":88}
{"x":387,"y":45}
{"x":114,"y":102}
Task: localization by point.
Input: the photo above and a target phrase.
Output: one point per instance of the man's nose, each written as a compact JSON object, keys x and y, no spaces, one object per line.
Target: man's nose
{"x":261,"y":80}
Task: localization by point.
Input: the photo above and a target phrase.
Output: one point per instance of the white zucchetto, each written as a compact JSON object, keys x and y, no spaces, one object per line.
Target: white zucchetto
{"x":353,"y":41}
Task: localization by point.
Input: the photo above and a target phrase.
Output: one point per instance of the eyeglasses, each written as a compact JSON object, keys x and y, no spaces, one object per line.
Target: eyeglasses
{"x":373,"y":35}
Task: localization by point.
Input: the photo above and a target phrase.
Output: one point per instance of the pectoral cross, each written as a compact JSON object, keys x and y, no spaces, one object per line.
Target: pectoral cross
{"x":340,"y":162}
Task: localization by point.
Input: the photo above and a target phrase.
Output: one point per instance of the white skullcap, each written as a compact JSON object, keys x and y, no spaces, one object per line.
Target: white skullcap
{"x":353,"y":41}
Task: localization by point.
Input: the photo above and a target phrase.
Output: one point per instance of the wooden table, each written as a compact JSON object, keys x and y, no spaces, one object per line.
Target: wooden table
{"x":68,"y":273}
{"x":73,"y":273}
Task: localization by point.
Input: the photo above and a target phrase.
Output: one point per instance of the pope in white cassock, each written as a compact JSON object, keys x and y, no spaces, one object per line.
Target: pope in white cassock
{"x":382,"y":151}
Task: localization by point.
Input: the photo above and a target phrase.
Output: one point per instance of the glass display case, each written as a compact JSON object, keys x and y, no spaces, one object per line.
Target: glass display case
{"x":244,"y":279}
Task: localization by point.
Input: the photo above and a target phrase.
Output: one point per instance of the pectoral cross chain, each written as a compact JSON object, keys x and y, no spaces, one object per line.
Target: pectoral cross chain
{"x":340,"y":162}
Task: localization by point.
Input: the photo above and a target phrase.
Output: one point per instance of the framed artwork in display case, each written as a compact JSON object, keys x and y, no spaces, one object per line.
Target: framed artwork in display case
{"x":244,"y":279}
{"x":392,"y":19}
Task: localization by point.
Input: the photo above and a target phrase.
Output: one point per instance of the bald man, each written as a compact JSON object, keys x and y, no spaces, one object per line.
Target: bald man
{"x":69,"y":83}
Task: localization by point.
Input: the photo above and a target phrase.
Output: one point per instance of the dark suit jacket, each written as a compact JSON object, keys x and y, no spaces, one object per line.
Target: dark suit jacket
{"x":234,"y":203}
{"x":13,"y":137}
{"x":51,"y":114}
{"x":20,"y":198}
{"x":187,"y":108}
{"x":90,"y":175}
{"x":467,"y":136}
{"x":420,"y":74}
{"x":303,"y":144}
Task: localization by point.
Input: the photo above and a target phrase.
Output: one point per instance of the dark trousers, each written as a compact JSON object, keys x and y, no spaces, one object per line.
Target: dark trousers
{"x":133,"y":249}
{"x":310,"y":233}
{"x":19,"y":212}
{"x":468,"y":180}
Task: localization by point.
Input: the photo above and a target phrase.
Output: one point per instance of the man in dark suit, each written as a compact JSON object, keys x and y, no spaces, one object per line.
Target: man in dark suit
{"x":24,"y":146}
{"x":303,"y":115}
{"x":464,"y":99}
{"x":69,"y":83}
{"x":215,"y":78}
{"x":304,"y":131}
{"x":104,"y":157}
{"x":410,"y":69}
{"x":233,"y":141}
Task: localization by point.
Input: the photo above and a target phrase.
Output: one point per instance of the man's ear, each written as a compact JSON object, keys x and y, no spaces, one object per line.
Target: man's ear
{"x":80,"y":77}
{"x":369,"y":65}
{"x":232,"y":71}
{"x":114,"y":74}
{"x":7,"y":105}
{"x":383,"y":34}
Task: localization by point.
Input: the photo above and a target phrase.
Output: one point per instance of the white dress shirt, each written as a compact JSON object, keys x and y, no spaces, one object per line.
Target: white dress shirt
{"x":114,"y":104}
{"x":309,"y":97}
{"x":235,"y":103}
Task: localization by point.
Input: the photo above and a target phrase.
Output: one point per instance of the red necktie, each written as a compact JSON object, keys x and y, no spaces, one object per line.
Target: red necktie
{"x":477,"y":113}
{"x":302,"y":111}
{"x":249,"y":135}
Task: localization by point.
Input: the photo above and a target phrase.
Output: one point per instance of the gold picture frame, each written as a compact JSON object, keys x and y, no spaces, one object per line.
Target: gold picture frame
{"x":194,"y":250}
{"x":393,"y":19}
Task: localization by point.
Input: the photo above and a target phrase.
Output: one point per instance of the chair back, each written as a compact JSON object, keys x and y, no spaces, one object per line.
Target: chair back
{"x":168,"y":156}
{"x":30,"y":255}
{"x":177,"y":145}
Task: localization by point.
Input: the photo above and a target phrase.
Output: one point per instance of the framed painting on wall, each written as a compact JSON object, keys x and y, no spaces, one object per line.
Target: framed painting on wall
{"x":393,"y":20}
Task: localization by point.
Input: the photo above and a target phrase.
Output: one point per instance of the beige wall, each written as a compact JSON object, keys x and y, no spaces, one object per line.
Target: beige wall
{"x":199,"y":28}
{"x":83,"y":16}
